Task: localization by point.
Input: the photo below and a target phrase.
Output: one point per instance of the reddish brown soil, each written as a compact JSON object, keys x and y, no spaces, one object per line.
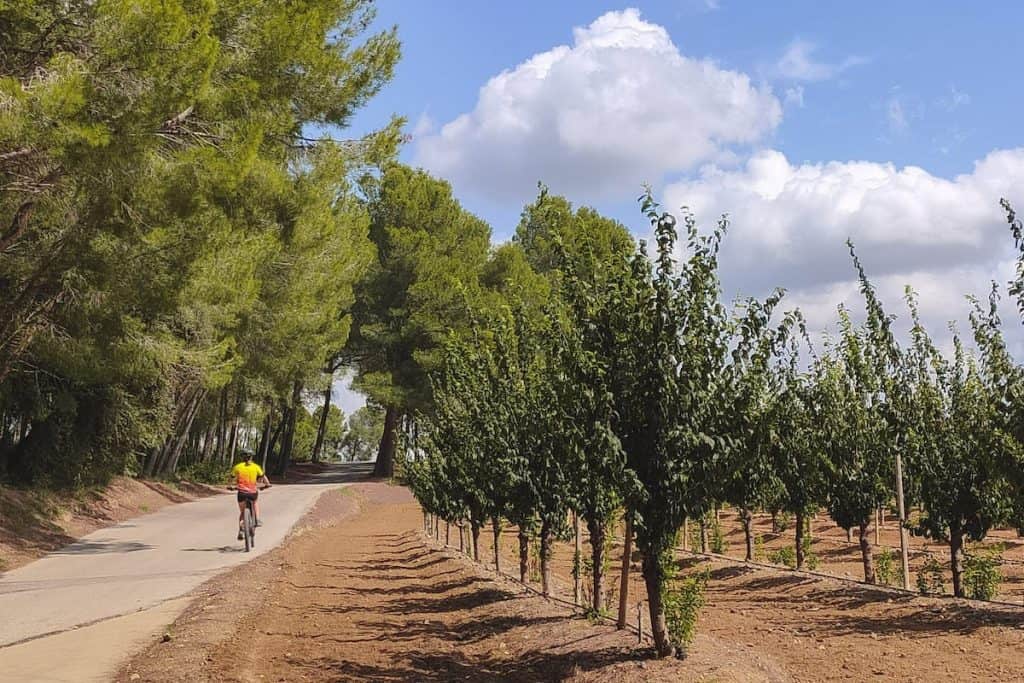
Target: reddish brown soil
{"x":812,"y":628}
{"x":841,"y":558}
{"x":33,"y":522}
{"x":364,"y":596}
{"x":369,"y":600}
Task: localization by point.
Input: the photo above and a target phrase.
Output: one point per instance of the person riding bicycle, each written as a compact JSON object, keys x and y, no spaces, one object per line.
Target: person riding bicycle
{"x":248,"y":476}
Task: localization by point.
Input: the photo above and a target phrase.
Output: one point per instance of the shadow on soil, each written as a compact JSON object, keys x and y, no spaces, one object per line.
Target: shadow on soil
{"x":422,"y":612}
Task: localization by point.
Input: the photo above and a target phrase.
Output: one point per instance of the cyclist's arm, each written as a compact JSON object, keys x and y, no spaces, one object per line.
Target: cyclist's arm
{"x":265,"y":479}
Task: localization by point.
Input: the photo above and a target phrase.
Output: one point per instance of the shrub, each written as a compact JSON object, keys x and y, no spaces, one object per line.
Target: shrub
{"x":206,"y":472}
{"x":717,"y":543}
{"x":759,"y":554}
{"x":682,"y":599}
{"x":884,"y":567}
{"x":782,"y":521}
{"x":810,"y":558}
{"x":981,"y":577}
{"x":930,"y":578}
{"x":784,"y":556}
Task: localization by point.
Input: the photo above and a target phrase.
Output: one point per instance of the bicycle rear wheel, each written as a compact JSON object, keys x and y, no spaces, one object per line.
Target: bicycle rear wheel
{"x":247,"y":527}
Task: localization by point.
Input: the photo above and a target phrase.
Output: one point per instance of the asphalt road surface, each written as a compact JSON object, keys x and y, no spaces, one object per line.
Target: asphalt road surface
{"x":58,"y":612}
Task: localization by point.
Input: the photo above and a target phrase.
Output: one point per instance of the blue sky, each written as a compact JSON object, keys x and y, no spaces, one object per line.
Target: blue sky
{"x":897,"y":124}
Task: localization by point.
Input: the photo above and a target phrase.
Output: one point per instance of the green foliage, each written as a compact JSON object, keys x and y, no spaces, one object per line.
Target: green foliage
{"x":363,"y":430}
{"x":683,"y":599}
{"x":716,"y":539}
{"x":885,"y":568}
{"x":759,"y":551}
{"x":931,"y":579}
{"x":784,"y":556}
{"x":981,"y":573}
{"x":209,"y":472}
{"x":172,"y":234}
{"x":810,"y":558}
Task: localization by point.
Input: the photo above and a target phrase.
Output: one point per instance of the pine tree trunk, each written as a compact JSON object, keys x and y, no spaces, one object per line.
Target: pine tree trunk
{"x":207,"y":443}
{"x":800,"y":539}
{"x":268,"y":423}
{"x":747,"y":518}
{"x":956,"y":559}
{"x":496,"y":529}
{"x":865,"y":553}
{"x":385,"y":466}
{"x":546,"y":538}
{"x":627,"y":551}
{"x":653,"y":579}
{"x":524,"y":554}
{"x":597,"y":541}
{"x":322,"y":428}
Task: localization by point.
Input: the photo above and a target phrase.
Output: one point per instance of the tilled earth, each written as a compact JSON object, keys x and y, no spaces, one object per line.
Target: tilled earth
{"x":359,"y":594}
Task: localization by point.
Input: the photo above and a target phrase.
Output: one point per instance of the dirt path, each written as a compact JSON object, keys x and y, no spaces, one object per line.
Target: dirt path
{"x":362,"y":596}
{"x":367,"y":599}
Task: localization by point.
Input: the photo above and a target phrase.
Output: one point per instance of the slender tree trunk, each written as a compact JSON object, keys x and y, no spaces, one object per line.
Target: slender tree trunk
{"x":207,"y":442}
{"x":385,"y":466}
{"x":474,"y":526}
{"x":462,"y":538}
{"x":496,"y":530}
{"x":653,"y":579}
{"x":686,"y":533}
{"x":322,"y":428}
{"x":447,"y":532}
{"x":878,"y":529}
{"x":546,"y":538}
{"x":222,"y":424}
{"x":627,"y":551}
{"x":849,"y":535}
{"x":704,"y":533}
{"x":274,"y":437}
{"x":268,"y":423}
{"x":956,"y":558}
{"x":598,"y":532}
{"x":775,"y":521}
{"x":865,"y":553}
{"x":747,"y":518}
{"x":524,"y":554}
{"x":289,"y":441}
{"x":577,"y":560}
{"x":800,"y":539}
{"x":193,"y":410}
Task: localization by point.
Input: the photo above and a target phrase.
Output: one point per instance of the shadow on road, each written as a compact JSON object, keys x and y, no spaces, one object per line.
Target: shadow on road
{"x":99,"y":547}
{"x":223,"y":549}
{"x":329,"y":473}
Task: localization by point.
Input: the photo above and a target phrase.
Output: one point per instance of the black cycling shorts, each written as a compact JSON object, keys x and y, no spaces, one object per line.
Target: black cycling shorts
{"x":244,"y":496}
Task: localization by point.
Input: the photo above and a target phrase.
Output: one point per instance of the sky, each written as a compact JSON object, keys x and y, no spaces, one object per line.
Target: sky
{"x":896,"y":125}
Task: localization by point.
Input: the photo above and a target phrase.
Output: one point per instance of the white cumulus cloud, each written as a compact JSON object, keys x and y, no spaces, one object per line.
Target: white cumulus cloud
{"x":620,"y":106}
{"x":789,"y":224}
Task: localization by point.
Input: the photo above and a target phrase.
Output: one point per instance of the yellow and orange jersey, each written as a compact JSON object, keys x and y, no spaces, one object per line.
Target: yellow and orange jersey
{"x":246,"y":476}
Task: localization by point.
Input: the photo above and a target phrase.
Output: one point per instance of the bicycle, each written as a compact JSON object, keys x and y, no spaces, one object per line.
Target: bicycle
{"x":249,"y":520}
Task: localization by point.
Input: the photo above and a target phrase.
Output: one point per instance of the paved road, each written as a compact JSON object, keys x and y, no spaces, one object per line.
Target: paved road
{"x":139,"y":565}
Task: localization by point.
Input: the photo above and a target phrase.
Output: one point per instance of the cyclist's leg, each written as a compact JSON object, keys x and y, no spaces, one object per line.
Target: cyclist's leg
{"x":256,"y":508}
{"x":241,"y":514}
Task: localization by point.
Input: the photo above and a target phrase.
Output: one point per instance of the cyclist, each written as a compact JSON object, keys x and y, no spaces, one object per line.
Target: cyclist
{"x":248,"y":476}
